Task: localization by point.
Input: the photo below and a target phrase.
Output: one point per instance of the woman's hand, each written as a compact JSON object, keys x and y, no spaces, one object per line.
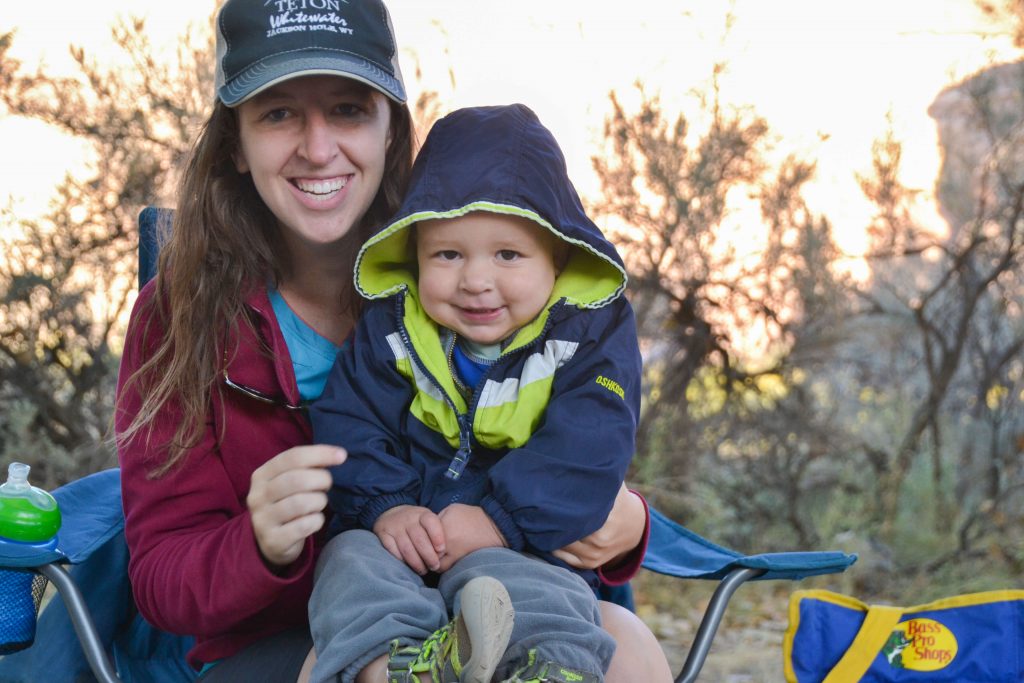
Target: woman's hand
{"x":621,"y":533}
{"x":414,"y":535}
{"x":287,"y":496}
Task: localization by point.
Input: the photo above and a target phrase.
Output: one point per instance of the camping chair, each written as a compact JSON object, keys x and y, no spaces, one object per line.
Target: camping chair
{"x":92,"y":522}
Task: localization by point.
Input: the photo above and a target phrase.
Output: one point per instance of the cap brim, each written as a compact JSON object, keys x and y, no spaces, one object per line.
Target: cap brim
{"x":269,"y":72}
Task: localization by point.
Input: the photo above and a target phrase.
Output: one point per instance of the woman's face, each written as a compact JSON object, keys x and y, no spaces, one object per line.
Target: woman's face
{"x":315,"y":148}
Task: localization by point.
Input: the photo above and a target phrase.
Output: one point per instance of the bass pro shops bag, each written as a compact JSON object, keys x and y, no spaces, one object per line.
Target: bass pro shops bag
{"x":974,"y":638}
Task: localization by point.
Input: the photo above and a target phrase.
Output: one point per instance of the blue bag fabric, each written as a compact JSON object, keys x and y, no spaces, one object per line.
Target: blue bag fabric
{"x":92,"y":538}
{"x":976,"y":638}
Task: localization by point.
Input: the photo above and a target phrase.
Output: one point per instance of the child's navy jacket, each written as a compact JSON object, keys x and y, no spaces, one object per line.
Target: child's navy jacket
{"x":544,"y":442}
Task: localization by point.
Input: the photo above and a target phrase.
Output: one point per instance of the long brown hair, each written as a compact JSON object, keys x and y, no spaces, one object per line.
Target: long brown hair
{"x":223,"y":241}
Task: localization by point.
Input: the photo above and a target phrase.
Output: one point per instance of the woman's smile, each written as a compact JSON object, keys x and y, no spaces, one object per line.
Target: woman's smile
{"x":319,"y":191}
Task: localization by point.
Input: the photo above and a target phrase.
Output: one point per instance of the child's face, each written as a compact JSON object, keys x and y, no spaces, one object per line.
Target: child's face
{"x":485,"y":275}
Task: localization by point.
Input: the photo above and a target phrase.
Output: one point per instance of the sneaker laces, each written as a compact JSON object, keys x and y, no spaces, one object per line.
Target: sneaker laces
{"x":548,"y":672}
{"x":434,"y":653}
{"x":429,"y":657}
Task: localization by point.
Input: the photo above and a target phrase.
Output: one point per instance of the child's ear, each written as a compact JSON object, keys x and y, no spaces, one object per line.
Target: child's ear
{"x":562,"y":251}
{"x":411,"y":254}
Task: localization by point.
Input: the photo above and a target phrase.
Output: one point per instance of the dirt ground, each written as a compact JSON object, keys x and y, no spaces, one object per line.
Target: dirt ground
{"x":748,"y":645}
{"x":738,"y":655}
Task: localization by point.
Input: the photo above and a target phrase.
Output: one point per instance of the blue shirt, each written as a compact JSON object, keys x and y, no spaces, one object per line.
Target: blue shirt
{"x":472,"y":361}
{"x":312,"y":355}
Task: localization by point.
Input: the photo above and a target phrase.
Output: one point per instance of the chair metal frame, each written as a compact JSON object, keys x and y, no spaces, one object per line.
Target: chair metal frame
{"x":105,"y":672}
{"x":94,"y":651}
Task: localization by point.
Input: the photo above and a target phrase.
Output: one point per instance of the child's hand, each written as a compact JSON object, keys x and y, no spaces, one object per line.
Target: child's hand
{"x":414,"y":535}
{"x":467,"y":528}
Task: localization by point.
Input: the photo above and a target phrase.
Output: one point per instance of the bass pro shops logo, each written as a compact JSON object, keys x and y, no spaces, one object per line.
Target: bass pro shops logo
{"x":920,"y":645}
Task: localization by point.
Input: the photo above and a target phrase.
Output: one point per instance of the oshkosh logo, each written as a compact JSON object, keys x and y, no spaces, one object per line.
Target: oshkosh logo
{"x":612,"y":386}
{"x":570,"y":675}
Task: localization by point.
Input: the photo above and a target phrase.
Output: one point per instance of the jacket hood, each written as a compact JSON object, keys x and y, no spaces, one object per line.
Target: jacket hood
{"x":499,"y":159}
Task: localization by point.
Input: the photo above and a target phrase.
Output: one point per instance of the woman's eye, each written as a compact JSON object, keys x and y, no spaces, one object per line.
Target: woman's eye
{"x":275,"y":115}
{"x":508,"y":255}
{"x":348,"y":110}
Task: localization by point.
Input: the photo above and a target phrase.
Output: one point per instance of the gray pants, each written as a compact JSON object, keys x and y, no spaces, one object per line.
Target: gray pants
{"x":363,"y":598}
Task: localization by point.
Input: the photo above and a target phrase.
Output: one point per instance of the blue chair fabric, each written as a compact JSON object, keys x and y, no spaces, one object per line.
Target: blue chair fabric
{"x":676,"y":551}
{"x":151,"y":222}
{"x":91,"y":538}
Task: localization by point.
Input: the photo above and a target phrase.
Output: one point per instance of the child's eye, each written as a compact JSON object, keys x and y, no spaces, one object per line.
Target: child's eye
{"x":508,"y":255}
{"x":447,"y":255}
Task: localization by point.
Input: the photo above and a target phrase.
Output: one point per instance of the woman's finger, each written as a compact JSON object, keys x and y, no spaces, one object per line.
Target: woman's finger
{"x":296,"y":481}
{"x":569,"y":558}
{"x":296,"y":470}
{"x":281,"y":544}
{"x":303,"y":457}
{"x":297,"y":505}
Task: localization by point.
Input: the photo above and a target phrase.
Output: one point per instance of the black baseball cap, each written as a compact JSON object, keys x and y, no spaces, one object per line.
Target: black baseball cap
{"x":263,"y":42}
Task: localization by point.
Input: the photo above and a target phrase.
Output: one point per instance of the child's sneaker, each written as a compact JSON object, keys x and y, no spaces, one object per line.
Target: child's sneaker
{"x":468,"y":648}
{"x":549,"y":672}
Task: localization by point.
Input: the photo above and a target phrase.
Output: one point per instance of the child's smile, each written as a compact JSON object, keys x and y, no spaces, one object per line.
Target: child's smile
{"x":484,"y":275}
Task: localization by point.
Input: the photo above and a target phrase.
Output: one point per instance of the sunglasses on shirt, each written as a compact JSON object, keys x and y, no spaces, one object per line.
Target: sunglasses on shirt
{"x":258,"y":395}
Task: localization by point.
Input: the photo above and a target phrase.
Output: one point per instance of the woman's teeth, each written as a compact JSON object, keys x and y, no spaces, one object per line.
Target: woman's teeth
{"x":321,"y":189}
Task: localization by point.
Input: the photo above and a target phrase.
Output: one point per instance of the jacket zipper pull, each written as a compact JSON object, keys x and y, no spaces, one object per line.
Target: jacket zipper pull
{"x":458,"y":463}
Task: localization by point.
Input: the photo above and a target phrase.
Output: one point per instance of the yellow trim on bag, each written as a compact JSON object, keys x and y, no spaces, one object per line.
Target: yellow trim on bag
{"x":965,"y":600}
{"x":793,"y":623}
{"x":870,"y":639}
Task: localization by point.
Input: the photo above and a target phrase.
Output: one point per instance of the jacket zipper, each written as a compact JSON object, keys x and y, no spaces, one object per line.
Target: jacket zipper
{"x":458,"y":463}
{"x":461,"y":458}
{"x":450,"y":356}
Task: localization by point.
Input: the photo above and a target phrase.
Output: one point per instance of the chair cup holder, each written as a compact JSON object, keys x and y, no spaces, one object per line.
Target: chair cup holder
{"x":21,"y":591}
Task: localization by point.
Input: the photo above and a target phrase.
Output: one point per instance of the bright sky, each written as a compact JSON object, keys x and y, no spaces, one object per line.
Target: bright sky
{"x":824,"y":73}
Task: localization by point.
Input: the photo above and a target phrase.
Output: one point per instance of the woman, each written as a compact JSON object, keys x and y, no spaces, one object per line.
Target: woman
{"x":308,"y":148}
